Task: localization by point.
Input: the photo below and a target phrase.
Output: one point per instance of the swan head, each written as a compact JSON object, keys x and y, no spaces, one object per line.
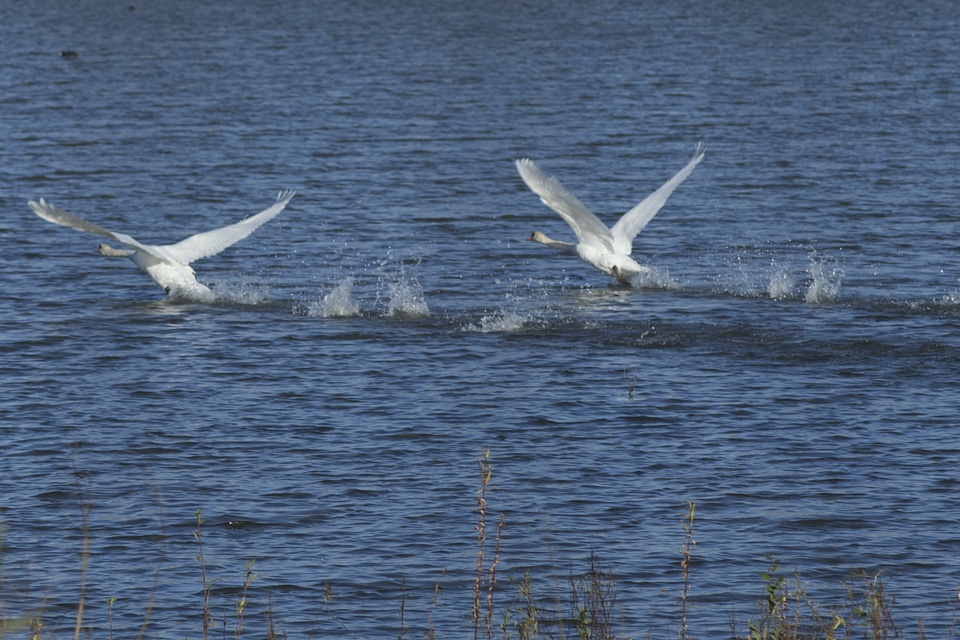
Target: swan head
{"x":540,"y":237}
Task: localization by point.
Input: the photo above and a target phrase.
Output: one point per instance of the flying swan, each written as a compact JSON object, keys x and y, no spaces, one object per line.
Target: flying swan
{"x":606,"y":249}
{"x":169,"y":264}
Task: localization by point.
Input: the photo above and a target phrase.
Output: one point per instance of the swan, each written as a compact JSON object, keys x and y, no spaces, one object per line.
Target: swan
{"x":169,"y":264}
{"x":606,"y":249}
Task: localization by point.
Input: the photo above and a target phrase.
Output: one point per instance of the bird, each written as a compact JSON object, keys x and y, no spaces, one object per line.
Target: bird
{"x":168,"y":265}
{"x":607,"y":249}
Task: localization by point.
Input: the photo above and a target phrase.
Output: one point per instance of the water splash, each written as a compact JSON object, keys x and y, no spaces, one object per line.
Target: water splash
{"x":950,"y":299}
{"x":827,"y":276}
{"x":781,"y":282}
{"x":501,"y":322}
{"x":339,"y":303}
{"x":749,"y":288}
{"x":406,"y":296}
{"x":243,"y":294}
{"x":655,"y":278}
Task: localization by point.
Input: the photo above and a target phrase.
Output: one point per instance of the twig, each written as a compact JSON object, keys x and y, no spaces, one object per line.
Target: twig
{"x":492,"y":577}
{"x":83,"y":497}
{"x":198,"y":534}
{"x":688,"y":544}
{"x":630,"y":382}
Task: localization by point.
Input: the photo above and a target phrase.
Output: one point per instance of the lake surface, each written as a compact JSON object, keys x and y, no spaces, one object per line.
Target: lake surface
{"x":792,"y":365}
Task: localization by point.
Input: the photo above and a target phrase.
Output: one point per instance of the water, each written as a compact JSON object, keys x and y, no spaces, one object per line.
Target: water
{"x":791,"y":365}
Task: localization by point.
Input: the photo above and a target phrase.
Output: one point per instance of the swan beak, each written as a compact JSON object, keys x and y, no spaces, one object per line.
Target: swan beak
{"x":531,"y":235}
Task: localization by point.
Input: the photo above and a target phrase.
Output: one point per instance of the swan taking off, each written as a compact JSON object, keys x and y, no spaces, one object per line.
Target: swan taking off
{"x":606,"y":249}
{"x":169,"y":264}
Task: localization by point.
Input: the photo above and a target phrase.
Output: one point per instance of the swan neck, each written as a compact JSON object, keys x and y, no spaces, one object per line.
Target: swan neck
{"x":106,"y":250}
{"x":566,"y":247}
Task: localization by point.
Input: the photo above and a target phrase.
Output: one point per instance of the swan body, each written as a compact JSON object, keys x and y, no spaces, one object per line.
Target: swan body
{"x":168,"y":265}
{"x":607,"y":249}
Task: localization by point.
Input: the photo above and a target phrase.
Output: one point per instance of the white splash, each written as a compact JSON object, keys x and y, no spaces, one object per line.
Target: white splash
{"x":243,"y":294}
{"x":781,"y":283}
{"x":827,"y":276}
{"x":406,"y":296}
{"x":655,"y":278}
{"x":950,"y":299}
{"x":749,"y":288}
{"x":501,"y":322}
{"x":339,"y":303}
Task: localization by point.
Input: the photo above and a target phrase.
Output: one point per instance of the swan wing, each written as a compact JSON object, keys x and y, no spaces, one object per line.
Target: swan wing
{"x":588,"y":227}
{"x":150,"y":254}
{"x":209,"y":243}
{"x":636,"y":219}
{"x":56,"y":215}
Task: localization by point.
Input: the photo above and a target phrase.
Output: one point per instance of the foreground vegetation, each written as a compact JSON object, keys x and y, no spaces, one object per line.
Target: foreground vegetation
{"x":785,"y":610}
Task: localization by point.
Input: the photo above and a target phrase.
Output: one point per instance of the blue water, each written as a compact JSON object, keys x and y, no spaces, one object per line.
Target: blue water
{"x":792,"y":365}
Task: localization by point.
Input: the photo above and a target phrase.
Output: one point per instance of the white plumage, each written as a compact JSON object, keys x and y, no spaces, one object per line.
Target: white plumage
{"x":168,"y":265}
{"x":606,"y":249}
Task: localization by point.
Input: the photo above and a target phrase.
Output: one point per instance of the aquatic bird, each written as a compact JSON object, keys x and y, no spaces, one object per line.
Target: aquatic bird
{"x":168,"y":265}
{"x":606,"y":249}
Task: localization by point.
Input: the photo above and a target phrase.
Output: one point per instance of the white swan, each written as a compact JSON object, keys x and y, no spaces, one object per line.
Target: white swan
{"x":606,"y":249}
{"x":168,"y":264}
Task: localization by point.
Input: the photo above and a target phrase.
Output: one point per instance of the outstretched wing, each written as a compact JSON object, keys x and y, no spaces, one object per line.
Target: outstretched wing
{"x":209,"y":243}
{"x":588,"y":227}
{"x":56,"y":215}
{"x":636,"y":219}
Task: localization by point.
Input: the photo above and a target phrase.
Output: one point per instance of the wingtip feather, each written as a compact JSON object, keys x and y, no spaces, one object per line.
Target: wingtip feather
{"x":525,"y":165}
{"x":43,"y":209}
{"x":700,"y":150}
